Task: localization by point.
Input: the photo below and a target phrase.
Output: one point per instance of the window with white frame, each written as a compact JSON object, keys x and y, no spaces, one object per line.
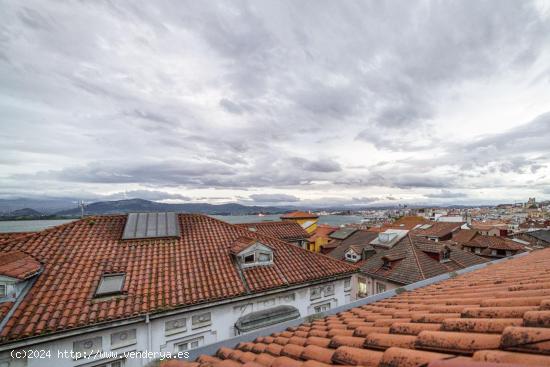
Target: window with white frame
{"x":380,"y":287}
{"x":477,"y":250}
{"x":322,"y":308}
{"x":175,"y":326}
{"x":201,"y":320}
{"x":315,"y":293}
{"x":123,"y":338}
{"x":3,"y":290}
{"x":189,"y":344}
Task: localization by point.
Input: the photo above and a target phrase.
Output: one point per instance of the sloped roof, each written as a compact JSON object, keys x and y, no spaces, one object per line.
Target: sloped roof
{"x":437,"y":229}
{"x":494,"y":242}
{"x":5,"y":308}
{"x":282,"y":230}
{"x":416,"y":264}
{"x":240,"y":244}
{"x":299,"y":215}
{"x":541,"y":234}
{"x":409,"y":222}
{"x":464,"y":235}
{"x":18,"y":265}
{"x":343,"y":233}
{"x":8,"y":236}
{"x":161,"y":273}
{"x":360,"y":237}
{"x":498,"y":314}
{"x":322,"y":230}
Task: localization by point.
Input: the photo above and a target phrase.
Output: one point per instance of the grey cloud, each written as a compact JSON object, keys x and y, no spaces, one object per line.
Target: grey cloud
{"x":446,"y":194}
{"x":147,"y":115}
{"x":274,"y":198}
{"x":154,"y":195}
{"x":365,"y":200}
{"x":201,"y":94}
{"x":235,"y":108}
{"x":163,"y":172}
{"x":324,"y":165}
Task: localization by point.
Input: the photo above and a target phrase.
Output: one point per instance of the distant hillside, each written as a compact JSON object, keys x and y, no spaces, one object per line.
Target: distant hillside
{"x":26,"y":212}
{"x":140,"y":205}
{"x":45,"y":206}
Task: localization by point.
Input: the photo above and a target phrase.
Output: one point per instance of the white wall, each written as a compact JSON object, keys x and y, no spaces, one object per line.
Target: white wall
{"x":223,"y":318}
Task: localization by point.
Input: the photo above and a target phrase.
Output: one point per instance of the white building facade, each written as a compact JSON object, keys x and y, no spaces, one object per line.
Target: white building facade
{"x":124,"y":343}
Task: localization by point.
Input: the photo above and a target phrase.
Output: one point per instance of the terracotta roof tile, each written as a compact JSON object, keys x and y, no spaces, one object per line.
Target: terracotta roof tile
{"x":18,"y":265}
{"x":77,"y":254}
{"x":437,"y":229}
{"x":469,"y":331}
{"x":299,"y":215}
{"x":286,"y":230}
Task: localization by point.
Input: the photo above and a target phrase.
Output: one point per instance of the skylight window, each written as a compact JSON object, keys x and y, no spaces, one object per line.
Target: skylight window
{"x":110,"y":284}
{"x":150,"y":225}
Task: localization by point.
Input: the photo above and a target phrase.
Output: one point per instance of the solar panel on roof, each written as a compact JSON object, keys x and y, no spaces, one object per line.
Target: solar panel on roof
{"x":150,"y":225}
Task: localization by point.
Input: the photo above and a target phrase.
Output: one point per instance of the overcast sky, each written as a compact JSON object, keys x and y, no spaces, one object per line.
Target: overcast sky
{"x":276,"y":102}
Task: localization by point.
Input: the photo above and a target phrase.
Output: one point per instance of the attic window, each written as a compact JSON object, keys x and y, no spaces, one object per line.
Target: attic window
{"x":3,"y":291}
{"x":249,"y":259}
{"x":251,"y":253}
{"x":110,"y":284}
{"x":387,"y":264}
{"x":446,"y":255}
{"x":263,"y":257}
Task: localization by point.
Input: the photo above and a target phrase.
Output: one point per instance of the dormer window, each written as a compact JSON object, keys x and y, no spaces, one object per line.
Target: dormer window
{"x":110,"y":284}
{"x":446,"y":255}
{"x":249,"y":252}
{"x":386,"y":264}
{"x":3,"y":290}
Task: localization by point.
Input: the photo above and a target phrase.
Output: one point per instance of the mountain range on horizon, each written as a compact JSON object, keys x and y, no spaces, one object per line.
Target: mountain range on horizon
{"x":69,"y":207}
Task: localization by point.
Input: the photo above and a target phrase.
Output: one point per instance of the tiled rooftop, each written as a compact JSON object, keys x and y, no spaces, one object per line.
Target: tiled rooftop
{"x":360,"y":237}
{"x":415,"y":262}
{"x":161,"y":273}
{"x":18,"y":265}
{"x":299,"y":215}
{"x":438,"y":229}
{"x":499,"y":315}
{"x":286,"y":231}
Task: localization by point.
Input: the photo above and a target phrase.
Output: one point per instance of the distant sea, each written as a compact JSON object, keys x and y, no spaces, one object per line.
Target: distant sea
{"x":37,"y":225}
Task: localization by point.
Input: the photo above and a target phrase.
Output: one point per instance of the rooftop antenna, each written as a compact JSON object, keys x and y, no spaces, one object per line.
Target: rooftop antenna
{"x":82,"y":205}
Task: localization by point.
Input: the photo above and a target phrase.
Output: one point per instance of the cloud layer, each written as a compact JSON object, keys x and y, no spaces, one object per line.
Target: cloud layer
{"x":277,"y":102}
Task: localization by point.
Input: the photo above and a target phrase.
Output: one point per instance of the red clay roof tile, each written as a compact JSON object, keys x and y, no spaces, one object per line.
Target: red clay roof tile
{"x":285,"y":230}
{"x":77,"y":254}
{"x":18,"y":265}
{"x":469,"y":331}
